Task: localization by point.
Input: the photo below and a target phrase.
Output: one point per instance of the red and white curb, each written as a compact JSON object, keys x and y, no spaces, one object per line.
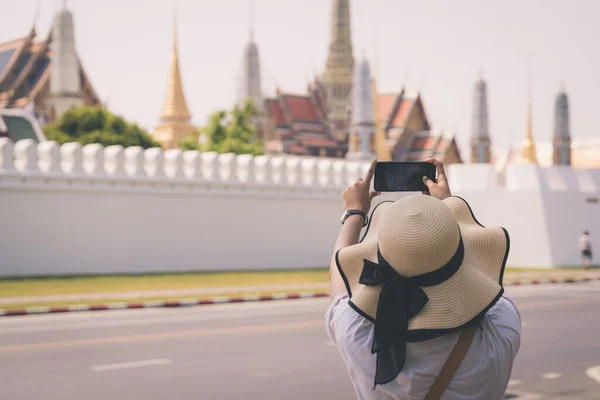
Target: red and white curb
{"x":524,"y":282}
{"x":221,"y":300}
{"x":159,"y":304}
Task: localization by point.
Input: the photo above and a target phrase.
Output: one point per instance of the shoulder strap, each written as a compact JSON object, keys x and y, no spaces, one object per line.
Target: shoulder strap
{"x":452,"y":363}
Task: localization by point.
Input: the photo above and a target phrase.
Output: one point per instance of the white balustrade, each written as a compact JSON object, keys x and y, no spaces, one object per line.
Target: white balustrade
{"x":154,"y":162}
{"x":340,"y":177}
{"x":6,"y":155}
{"x":192,"y":164}
{"x":279,"y":170}
{"x":325,"y":172}
{"x":210,"y":167}
{"x":309,"y":171}
{"x":227,"y":167}
{"x":294,"y":170}
{"x":26,"y":156}
{"x":93,"y":159}
{"x":114,"y":160}
{"x":263,"y":169}
{"x":134,"y":161}
{"x":245,"y":168}
{"x":49,"y":157}
{"x":353,"y":172}
{"x":174,"y":164}
{"x":71,"y":158}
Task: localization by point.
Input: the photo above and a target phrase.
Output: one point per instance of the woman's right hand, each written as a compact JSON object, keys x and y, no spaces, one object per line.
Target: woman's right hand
{"x":440,"y":190}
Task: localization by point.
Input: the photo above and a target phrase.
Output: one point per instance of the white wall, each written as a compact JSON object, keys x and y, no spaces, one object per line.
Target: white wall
{"x":103,"y":210}
{"x":73,"y":210}
{"x":544,"y":210}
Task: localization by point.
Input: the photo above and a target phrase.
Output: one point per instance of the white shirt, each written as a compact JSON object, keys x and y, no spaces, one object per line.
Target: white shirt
{"x":483,"y":374}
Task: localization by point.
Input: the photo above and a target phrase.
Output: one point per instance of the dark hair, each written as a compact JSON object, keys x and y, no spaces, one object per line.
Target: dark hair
{"x":586,"y":232}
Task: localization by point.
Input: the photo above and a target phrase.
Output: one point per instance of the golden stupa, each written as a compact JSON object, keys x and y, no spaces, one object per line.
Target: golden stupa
{"x":528,"y":151}
{"x":175,"y":117}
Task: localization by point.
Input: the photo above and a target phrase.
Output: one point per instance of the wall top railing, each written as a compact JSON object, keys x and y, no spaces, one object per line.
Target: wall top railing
{"x":26,"y":162}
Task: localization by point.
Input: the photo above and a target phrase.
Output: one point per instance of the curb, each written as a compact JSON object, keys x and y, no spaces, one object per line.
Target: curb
{"x":222,"y":300}
{"x":158,"y":304}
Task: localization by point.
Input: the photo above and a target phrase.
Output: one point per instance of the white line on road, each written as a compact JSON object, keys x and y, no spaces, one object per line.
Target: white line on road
{"x":594,"y":373}
{"x":523,"y":396}
{"x":133,"y":364}
{"x":514,"y":382}
{"x":552,"y":375}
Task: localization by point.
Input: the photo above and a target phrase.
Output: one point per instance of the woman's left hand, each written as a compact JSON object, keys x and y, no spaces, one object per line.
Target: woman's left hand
{"x":359,"y":196}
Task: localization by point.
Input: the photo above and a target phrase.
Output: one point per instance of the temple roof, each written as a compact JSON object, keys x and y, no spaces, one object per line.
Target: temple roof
{"x":25,"y":70}
{"x":426,"y":144}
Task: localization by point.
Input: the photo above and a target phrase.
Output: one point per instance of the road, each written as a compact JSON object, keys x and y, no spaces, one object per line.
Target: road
{"x":276,"y":350}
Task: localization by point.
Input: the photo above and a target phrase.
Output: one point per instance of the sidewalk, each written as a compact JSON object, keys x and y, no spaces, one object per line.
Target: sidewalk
{"x":510,"y":278}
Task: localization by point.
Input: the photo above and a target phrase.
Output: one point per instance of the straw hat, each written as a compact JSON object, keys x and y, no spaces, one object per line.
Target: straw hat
{"x":424,"y":267}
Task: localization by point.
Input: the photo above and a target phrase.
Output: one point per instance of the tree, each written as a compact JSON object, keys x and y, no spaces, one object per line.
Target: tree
{"x":95,"y":124}
{"x":228,"y":132}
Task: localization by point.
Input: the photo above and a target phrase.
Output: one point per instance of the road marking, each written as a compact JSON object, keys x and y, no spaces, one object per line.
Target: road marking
{"x":132,"y":364}
{"x":552,"y":375}
{"x":594,"y":373}
{"x":514,"y":382}
{"x":162,"y":336}
{"x":522,"y":396}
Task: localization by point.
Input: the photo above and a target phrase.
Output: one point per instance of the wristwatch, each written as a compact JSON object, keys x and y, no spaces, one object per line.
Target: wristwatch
{"x":348,"y":213}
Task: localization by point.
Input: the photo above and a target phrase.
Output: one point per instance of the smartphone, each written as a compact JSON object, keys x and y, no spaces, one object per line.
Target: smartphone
{"x":402,"y":176}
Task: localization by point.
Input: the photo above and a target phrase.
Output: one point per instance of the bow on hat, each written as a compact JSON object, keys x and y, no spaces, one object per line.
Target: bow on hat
{"x":400,"y":300}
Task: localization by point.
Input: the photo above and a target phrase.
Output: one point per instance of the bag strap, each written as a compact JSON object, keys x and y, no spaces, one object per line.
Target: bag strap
{"x":452,"y":363}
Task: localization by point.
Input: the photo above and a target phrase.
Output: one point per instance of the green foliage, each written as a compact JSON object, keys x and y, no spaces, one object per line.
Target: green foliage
{"x":95,"y":124}
{"x":228,"y":132}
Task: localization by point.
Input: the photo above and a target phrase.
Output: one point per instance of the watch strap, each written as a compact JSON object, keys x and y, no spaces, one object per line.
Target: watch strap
{"x":357,"y":212}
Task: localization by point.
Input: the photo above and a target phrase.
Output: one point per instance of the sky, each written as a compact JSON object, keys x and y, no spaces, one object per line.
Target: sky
{"x":437,"y":47}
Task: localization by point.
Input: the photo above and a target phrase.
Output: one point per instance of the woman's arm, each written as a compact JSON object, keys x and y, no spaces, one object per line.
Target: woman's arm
{"x":348,"y":236}
{"x":355,"y":197}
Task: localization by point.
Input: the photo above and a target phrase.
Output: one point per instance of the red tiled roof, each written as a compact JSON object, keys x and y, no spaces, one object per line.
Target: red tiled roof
{"x":423,"y":143}
{"x":316,"y":141}
{"x":275,"y":111}
{"x":300,"y":108}
{"x":386,"y":104}
{"x":296,"y":149}
{"x":402,"y":113}
{"x":441,"y":144}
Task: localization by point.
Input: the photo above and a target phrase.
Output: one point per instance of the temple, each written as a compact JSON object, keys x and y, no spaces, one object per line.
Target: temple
{"x":320,"y":122}
{"x":45,"y":77}
{"x":250,"y":82}
{"x":480,"y":137}
{"x":561,"y":143}
{"x":175,"y":117}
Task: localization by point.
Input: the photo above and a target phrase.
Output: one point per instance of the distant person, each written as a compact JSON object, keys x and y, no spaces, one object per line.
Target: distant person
{"x":585,"y":245}
{"x":417,"y":308}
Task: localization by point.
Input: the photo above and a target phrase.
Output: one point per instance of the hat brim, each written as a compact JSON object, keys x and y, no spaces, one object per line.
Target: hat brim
{"x":454,"y":303}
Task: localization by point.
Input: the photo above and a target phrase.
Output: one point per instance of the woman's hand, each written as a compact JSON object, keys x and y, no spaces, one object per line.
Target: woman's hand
{"x":440,"y":190}
{"x":359,"y":195}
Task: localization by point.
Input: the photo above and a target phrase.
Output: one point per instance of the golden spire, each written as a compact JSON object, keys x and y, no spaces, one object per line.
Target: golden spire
{"x":175,"y":117}
{"x":175,"y":107}
{"x":381,"y":148}
{"x":528,"y":151}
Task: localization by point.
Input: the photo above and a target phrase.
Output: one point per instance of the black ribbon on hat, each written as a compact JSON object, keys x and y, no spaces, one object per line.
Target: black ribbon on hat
{"x":400,"y":300}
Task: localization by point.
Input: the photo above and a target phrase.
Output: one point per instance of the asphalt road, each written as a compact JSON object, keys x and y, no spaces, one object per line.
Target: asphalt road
{"x":276,"y":350}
